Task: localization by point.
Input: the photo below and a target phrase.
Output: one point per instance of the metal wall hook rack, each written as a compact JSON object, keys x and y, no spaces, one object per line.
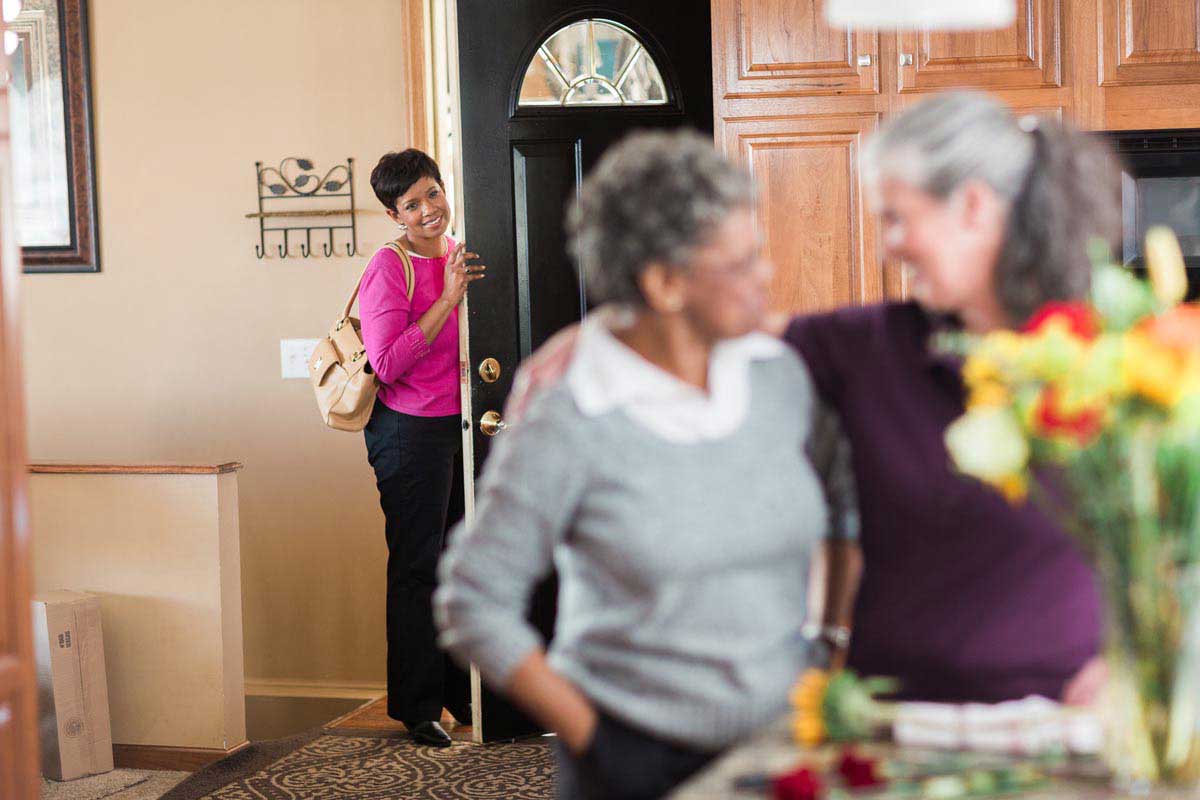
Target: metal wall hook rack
{"x":297,"y":179}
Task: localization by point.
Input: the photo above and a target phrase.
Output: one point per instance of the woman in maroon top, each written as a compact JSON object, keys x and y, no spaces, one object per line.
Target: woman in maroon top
{"x":961,"y":596}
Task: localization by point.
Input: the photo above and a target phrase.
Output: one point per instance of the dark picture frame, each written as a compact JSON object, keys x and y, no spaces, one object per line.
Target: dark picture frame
{"x":82,"y":253}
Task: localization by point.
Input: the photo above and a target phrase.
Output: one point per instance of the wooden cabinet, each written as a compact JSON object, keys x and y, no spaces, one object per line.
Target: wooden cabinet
{"x":1026,"y":55}
{"x":794,"y":98}
{"x":784,"y":47}
{"x":1149,"y":42}
{"x":818,"y":233}
{"x":1148,"y":64}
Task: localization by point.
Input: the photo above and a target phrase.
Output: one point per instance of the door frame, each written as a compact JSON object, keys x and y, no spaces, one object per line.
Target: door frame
{"x":18,"y":679}
{"x":443,"y":120}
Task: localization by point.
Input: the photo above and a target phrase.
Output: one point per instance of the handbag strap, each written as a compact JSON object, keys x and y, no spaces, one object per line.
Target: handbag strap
{"x":410,"y":278}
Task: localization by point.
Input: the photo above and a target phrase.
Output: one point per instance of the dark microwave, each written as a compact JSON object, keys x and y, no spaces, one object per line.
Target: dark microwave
{"x":1160,"y":185}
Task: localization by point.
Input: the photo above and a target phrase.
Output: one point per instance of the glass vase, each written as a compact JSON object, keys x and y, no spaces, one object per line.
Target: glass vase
{"x":1153,"y":655}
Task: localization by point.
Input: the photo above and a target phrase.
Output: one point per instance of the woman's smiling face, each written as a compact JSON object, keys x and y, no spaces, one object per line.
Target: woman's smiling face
{"x":423,"y":210}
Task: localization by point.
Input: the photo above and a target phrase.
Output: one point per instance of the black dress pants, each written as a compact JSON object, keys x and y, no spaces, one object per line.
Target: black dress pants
{"x":418,"y":470}
{"x":622,"y":763}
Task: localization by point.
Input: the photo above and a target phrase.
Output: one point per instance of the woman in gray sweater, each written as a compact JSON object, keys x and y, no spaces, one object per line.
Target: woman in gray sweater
{"x":654,"y":480}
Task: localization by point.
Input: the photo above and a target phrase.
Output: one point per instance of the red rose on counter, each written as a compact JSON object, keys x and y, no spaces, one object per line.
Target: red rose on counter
{"x":1079,"y":318}
{"x":799,"y":784}
{"x":859,"y":772}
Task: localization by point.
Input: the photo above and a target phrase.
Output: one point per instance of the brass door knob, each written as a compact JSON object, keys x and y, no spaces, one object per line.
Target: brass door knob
{"x":489,"y":370}
{"x":492,"y":423}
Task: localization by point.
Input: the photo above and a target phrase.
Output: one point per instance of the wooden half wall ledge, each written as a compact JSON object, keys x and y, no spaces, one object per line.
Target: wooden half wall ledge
{"x":51,"y":468}
{"x":174,"y":759}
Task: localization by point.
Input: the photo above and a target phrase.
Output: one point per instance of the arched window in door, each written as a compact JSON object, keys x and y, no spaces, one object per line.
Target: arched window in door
{"x":592,"y":62}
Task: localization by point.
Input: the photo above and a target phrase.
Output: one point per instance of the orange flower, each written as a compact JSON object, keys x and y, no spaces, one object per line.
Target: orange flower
{"x":1160,"y":373}
{"x":1178,"y":328}
{"x":808,"y":698}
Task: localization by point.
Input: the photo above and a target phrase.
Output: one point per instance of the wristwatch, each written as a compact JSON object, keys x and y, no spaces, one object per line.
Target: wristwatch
{"x":836,"y":636}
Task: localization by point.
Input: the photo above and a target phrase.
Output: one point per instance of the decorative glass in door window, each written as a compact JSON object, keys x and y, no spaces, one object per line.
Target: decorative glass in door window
{"x":592,"y":62}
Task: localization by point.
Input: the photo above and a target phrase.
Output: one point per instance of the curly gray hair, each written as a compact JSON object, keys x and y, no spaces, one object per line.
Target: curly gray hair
{"x":653,"y":198}
{"x":1063,"y":187}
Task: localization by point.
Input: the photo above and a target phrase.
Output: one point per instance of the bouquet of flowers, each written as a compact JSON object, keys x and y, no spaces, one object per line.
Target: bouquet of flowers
{"x":1093,"y":410}
{"x":840,"y":707}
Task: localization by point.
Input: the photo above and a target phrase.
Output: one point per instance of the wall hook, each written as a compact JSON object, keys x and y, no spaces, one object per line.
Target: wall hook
{"x":298,"y":179}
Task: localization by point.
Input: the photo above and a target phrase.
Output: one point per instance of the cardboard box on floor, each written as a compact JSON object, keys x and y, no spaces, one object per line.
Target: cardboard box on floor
{"x":76,"y":733}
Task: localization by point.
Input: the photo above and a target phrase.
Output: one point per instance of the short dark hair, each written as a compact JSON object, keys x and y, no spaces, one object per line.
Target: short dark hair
{"x":396,"y":172}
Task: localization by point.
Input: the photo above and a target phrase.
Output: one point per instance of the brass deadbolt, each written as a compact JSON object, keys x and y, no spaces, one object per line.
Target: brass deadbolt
{"x":489,"y":370}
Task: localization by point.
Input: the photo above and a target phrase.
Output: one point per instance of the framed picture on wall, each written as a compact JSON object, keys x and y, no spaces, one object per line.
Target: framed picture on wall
{"x":51,"y":132}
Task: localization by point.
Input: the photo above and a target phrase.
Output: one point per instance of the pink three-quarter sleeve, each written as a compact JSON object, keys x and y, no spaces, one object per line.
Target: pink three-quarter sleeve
{"x":392,"y":337}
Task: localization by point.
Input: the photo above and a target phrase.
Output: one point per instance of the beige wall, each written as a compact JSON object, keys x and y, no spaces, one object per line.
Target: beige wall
{"x":161,"y":552}
{"x":172,"y":352}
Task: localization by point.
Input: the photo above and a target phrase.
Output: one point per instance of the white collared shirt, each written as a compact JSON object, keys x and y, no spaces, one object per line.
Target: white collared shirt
{"x":605,"y":374}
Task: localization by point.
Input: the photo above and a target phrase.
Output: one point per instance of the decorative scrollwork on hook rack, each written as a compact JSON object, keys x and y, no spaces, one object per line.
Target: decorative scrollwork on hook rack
{"x":298,"y":179}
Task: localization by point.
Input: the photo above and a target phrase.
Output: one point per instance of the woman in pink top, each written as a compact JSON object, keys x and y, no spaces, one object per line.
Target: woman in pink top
{"x":414,"y":438}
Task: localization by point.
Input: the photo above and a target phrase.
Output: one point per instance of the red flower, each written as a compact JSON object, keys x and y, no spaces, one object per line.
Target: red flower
{"x":1082,"y":426}
{"x":799,"y":784}
{"x":858,"y":772}
{"x":1079,"y":317}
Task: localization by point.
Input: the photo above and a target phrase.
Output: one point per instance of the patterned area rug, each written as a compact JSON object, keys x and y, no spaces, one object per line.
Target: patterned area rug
{"x":364,"y":765}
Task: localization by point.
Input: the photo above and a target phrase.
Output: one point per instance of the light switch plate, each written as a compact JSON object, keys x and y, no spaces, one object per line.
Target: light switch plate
{"x":293,"y":356}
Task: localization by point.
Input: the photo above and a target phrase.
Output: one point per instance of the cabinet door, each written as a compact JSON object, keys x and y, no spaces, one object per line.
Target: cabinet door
{"x":1025,"y":55}
{"x":818,"y":233}
{"x":784,"y":47}
{"x":1149,"y":41}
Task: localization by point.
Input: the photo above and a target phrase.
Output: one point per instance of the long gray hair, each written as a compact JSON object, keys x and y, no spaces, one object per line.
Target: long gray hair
{"x":1063,"y":187}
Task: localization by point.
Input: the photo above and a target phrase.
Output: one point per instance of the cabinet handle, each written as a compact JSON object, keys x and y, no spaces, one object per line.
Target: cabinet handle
{"x":864,"y":60}
{"x":906,"y":59}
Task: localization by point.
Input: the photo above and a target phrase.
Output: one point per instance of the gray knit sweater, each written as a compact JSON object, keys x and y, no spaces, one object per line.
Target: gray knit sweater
{"x":682,"y":567}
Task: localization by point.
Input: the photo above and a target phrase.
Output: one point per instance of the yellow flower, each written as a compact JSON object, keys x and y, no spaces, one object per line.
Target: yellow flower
{"x":994,"y":359}
{"x":808,"y":700}
{"x":988,"y":395}
{"x":808,"y":731}
{"x":1164,"y":261}
{"x":1157,"y":373}
{"x":1007,"y":345}
{"x":1015,"y":488}
{"x":980,"y":369}
{"x":1052,"y":352}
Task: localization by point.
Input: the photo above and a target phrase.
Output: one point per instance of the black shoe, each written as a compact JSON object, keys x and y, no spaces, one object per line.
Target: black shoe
{"x":431,"y":734}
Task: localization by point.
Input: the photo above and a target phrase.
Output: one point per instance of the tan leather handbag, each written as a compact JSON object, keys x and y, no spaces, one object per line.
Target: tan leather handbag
{"x":341,"y":377}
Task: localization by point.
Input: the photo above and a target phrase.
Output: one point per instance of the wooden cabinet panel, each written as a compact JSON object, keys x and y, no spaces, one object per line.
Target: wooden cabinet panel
{"x":784,"y":47}
{"x":1149,"y":42}
{"x":817,"y":231}
{"x":1026,"y":55}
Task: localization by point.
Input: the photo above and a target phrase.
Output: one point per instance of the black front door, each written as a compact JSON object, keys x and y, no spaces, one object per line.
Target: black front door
{"x":546,"y":86}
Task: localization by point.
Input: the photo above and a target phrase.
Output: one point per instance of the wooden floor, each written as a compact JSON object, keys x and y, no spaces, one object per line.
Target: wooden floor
{"x":372,"y":716}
